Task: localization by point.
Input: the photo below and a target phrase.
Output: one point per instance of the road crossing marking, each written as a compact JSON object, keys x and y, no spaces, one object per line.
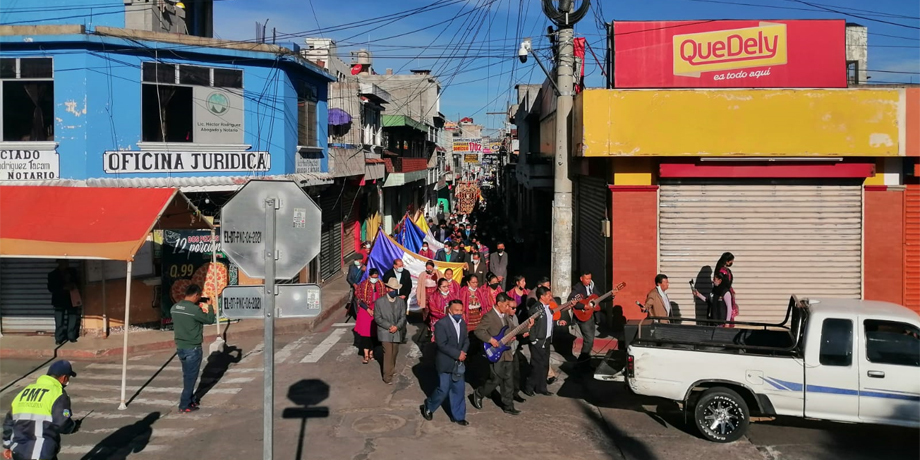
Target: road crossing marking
{"x":349,"y":352}
{"x":149,"y":389}
{"x":136,"y":367}
{"x":414,"y":351}
{"x":171,"y":415}
{"x":324,"y":346}
{"x":84,"y":377}
{"x":156,"y":432}
{"x":78,"y":450}
{"x":116,"y":401}
{"x":285,"y":353}
{"x":343,"y":325}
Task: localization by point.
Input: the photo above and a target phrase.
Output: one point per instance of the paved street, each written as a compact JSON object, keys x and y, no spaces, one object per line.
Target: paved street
{"x":330,"y":406}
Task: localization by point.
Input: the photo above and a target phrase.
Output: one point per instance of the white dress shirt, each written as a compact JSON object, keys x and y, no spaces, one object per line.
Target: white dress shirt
{"x":664,"y":297}
{"x":549,"y":321}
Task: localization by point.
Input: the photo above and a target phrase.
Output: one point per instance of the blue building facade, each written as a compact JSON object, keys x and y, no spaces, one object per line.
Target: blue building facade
{"x":103,"y":105}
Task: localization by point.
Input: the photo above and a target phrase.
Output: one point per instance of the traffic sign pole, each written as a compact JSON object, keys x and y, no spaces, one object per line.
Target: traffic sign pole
{"x":268,"y":367}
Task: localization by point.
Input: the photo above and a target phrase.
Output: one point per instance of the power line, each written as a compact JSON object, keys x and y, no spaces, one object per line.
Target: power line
{"x":832,"y":10}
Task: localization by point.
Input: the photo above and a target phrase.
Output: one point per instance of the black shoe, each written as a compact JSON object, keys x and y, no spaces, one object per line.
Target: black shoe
{"x":529,"y":393}
{"x":72,"y":340}
{"x":60,"y":342}
{"x":518,"y":398}
{"x":511,"y":411}
{"x":551,"y":380}
{"x":476,"y":400}
{"x":546,"y":393}
{"x":425,"y":413}
{"x":462,"y":422}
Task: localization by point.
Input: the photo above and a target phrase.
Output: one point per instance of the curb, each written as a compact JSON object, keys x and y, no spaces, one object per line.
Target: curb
{"x":306,"y":325}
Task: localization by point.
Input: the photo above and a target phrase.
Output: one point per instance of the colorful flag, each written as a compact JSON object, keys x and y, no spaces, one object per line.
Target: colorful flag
{"x":386,"y":251}
{"x":410,"y":236}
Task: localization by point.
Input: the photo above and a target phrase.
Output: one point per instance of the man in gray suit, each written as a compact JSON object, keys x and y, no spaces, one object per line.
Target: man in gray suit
{"x":498,"y":264}
{"x":390,"y":316}
{"x":502,"y":373}
{"x":453,"y":342}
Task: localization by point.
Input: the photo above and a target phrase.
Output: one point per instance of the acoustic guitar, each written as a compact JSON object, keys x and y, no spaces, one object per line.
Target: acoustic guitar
{"x":592,"y":304}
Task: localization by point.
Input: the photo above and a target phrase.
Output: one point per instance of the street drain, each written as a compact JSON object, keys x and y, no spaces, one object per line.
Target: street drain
{"x":378,"y":423}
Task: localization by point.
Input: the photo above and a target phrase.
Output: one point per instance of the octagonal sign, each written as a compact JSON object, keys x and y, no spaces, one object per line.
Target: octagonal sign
{"x":297,"y":228}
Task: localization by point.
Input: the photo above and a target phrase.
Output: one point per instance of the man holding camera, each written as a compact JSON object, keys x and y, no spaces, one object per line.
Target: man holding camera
{"x":189,"y":317}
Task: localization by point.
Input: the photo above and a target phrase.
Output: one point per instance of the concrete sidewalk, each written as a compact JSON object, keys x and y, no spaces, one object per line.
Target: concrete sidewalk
{"x":335,"y":295}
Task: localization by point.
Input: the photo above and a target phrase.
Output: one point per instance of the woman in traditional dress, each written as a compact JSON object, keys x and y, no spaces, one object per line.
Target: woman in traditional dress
{"x":494,"y":288}
{"x":476,"y":302}
{"x":519,"y":290}
{"x":454,"y":285}
{"x":367,"y":292}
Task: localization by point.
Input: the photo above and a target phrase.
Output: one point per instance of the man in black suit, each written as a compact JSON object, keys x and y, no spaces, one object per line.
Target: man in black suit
{"x":453,"y":341}
{"x":402,"y":275}
{"x":585,"y":289}
{"x":502,"y":371}
{"x":541,"y":335}
{"x":62,"y":282}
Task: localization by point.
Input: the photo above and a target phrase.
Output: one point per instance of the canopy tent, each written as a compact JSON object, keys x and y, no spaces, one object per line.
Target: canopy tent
{"x":55,"y":222}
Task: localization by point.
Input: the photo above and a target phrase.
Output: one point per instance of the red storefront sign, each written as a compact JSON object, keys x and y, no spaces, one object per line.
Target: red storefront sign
{"x":730,"y":54}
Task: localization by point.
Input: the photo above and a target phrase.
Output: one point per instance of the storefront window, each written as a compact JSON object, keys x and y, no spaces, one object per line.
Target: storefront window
{"x":175,"y":96}
{"x":27,"y":99}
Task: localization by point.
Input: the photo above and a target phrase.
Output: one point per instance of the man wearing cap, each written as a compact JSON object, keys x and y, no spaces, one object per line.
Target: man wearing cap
{"x":189,"y":317}
{"x":390,"y":315}
{"x":40,"y":413}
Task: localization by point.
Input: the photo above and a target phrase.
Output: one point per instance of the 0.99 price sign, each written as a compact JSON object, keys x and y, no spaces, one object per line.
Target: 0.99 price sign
{"x":186,"y":258}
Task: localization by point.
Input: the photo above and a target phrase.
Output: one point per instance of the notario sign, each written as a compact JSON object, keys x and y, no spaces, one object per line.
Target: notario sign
{"x":727,"y":54}
{"x":177,"y":162}
{"x":26,"y":165}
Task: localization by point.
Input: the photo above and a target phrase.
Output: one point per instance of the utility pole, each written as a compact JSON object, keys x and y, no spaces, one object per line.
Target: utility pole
{"x":562,"y":241}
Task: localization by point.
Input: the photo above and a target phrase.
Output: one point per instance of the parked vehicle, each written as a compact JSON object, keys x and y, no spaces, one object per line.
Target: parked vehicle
{"x":830,"y":359}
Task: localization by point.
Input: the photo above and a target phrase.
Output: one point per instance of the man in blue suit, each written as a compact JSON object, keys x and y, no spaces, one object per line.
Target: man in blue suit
{"x":451,"y":337}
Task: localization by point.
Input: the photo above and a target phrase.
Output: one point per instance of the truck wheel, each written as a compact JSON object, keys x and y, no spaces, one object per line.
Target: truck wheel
{"x":721,"y":415}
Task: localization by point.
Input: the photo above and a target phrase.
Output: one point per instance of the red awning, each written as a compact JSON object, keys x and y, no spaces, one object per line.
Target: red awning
{"x":88,"y":222}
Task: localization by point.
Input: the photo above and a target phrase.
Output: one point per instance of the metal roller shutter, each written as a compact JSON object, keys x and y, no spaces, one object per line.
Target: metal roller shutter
{"x":331,"y":236}
{"x":912,"y":247}
{"x":592,"y":245}
{"x":786,"y":239}
{"x":25,"y":303}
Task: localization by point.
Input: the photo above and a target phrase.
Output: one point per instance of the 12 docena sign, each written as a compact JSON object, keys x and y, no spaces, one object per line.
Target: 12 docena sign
{"x":725,"y":54}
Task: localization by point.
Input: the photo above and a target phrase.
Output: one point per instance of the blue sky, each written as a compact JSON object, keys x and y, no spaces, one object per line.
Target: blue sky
{"x":472,"y":44}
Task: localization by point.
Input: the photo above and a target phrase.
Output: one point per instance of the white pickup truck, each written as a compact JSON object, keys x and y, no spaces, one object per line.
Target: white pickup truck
{"x":830,"y":359}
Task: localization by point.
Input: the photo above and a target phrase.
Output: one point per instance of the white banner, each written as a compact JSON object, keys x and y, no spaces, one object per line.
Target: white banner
{"x":121,"y":161}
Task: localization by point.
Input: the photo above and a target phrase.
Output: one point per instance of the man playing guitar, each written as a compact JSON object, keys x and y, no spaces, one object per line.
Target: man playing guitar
{"x":588,"y":326}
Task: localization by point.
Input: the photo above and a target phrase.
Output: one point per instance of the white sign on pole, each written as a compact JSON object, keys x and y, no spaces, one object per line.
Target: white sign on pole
{"x":292,"y":301}
{"x":297,"y":227}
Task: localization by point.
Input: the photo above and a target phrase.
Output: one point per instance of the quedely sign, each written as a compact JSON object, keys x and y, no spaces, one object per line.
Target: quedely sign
{"x":23,"y":165}
{"x":730,"y":54}
{"x":123,"y":161}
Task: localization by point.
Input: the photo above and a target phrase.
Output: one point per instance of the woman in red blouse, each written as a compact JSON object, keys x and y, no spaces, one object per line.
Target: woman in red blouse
{"x":476,"y":302}
{"x":367,"y":292}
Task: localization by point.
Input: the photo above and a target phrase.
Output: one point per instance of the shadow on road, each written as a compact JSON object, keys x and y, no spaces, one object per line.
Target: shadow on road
{"x":216,"y":367}
{"x":306,"y":394}
{"x":127,"y":440}
{"x":152,"y":377}
{"x":27,"y":374}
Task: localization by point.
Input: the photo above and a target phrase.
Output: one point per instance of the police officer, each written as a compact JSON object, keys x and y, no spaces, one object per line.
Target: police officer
{"x":40,"y":414}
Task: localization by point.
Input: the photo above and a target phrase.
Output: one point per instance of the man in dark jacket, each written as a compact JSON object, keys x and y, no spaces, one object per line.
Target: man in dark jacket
{"x":40,"y":413}
{"x":448,"y":254}
{"x":402,"y":276}
{"x":453,"y":342}
{"x":189,"y":318}
{"x":62,"y":281}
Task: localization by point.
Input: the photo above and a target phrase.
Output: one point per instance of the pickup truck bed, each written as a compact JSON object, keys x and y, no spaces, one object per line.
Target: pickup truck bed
{"x":779,"y":340}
